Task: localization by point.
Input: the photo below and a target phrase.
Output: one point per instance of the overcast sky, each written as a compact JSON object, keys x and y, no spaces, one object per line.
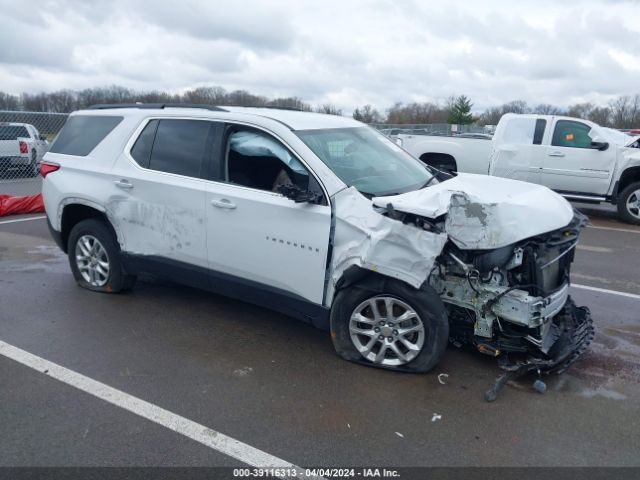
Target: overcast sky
{"x":345,"y":52}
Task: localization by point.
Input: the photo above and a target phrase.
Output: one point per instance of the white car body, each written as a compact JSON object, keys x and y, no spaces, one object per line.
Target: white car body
{"x":294,"y":256}
{"x":13,"y":155}
{"x":460,"y":153}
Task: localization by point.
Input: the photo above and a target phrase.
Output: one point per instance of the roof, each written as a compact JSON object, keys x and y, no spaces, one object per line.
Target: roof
{"x":299,"y":120}
{"x":293,"y":119}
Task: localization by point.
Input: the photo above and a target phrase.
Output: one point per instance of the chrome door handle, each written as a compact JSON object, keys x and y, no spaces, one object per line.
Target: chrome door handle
{"x":122,"y":183}
{"x":223,"y":203}
{"x":555,"y":154}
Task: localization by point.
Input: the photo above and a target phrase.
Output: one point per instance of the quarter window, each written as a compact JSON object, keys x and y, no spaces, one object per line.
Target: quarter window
{"x":141,"y":150}
{"x":541,"y":124}
{"x":568,"y":133}
{"x":82,"y":133}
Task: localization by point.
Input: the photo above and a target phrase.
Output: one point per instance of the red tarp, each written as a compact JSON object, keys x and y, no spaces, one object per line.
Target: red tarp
{"x":13,"y":205}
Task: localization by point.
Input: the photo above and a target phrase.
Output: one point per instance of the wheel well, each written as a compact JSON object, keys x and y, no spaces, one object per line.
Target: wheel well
{"x":440,"y":160}
{"x":367,"y":279}
{"x":629,"y":176}
{"x":74,"y":214}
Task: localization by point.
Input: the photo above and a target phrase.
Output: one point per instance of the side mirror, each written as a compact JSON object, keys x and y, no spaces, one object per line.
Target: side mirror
{"x":601,"y":146}
{"x":298,"y":195}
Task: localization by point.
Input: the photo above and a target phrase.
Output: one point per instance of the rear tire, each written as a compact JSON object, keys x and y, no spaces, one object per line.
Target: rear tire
{"x":629,"y":204}
{"x":34,"y":171}
{"x":94,"y":258}
{"x":420,"y":349}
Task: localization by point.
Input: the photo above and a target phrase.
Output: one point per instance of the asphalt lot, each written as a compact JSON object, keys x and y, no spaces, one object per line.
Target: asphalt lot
{"x":275,"y":384}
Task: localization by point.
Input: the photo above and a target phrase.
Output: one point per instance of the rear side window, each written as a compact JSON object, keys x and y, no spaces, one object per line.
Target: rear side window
{"x":82,"y":133}
{"x":571,"y":134}
{"x":174,"y":146}
{"x":13,"y":132}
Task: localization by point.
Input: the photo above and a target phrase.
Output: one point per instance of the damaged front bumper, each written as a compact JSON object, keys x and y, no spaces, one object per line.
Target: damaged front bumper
{"x":572,"y":331}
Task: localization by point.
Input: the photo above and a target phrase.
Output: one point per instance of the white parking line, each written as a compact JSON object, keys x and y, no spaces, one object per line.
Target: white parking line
{"x":615,"y":229}
{"x":23,"y":219}
{"x":201,"y":434}
{"x":604,"y":290}
{"x":590,"y":248}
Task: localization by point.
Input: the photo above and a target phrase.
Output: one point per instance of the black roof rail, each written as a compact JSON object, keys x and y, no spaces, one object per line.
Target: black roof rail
{"x":155,"y":106}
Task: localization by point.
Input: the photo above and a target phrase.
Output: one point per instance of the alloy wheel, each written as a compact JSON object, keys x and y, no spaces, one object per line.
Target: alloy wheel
{"x":386,"y":330}
{"x":92,"y":261}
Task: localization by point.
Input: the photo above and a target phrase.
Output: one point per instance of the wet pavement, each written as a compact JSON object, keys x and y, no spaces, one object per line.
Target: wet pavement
{"x":276,"y":384}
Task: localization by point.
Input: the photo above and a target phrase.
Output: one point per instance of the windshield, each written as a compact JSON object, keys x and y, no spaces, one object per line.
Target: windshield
{"x":367,"y":160}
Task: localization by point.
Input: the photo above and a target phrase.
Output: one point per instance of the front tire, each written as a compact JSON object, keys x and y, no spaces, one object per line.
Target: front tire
{"x":94,"y":257}
{"x":629,"y":204}
{"x":391,"y":326}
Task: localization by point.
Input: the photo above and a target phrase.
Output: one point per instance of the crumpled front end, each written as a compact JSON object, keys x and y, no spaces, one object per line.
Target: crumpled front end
{"x":513,"y":303}
{"x":498,"y":252}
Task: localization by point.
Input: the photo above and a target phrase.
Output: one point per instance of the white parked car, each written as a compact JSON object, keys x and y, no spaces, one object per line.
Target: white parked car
{"x":324,"y":219}
{"x":21,"y":148}
{"x":577,"y":158}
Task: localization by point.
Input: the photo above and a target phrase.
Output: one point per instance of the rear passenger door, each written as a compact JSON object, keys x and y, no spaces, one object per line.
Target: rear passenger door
{"x":158,"y":197}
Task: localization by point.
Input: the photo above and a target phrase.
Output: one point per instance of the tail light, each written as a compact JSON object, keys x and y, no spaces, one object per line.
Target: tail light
{"x":24,"y":148}
{"x":47,"y":167}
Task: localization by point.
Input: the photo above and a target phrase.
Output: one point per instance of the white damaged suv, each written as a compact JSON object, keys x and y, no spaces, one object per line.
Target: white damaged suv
{"x":324,"y":219}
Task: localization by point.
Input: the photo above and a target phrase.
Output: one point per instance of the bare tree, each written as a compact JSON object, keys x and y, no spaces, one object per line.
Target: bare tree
{"x":547,"y":109}
{"x":417,"y":113}
{"x":9,"y":102}
{"x":328,"y":108}
{"x":367,"y":114}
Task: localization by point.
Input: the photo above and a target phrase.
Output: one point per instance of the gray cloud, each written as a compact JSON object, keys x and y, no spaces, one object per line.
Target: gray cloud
{"x":348,"y":53}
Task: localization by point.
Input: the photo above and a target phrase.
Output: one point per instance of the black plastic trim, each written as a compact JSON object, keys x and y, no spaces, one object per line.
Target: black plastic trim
{"x":230,"y":286}
{"x":57,"y":236}
{"x":154,"y":106}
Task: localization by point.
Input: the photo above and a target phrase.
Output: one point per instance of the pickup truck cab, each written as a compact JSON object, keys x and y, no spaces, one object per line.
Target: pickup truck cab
{"x":576,"y":158}
{"x":21,"y":148}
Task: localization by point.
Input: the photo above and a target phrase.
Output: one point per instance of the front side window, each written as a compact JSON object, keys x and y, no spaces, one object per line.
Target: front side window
{"x":568,"y":133}
{"x":367,"y":160}
{"x":257,"y":160}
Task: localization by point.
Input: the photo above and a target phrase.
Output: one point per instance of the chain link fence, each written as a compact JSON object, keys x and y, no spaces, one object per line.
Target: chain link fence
{"x":439,"y":129}
{"x":24,"y":139}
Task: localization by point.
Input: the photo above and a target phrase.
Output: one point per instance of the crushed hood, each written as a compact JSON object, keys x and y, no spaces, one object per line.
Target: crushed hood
{"x":486,"y":212}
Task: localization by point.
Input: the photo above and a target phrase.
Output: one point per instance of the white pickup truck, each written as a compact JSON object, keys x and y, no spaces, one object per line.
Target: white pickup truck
{"x":21,"y":148}
{"x":577,"y":158}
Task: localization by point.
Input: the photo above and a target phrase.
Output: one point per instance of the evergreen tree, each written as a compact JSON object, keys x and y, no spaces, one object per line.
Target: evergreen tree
{"x":460,"y":113}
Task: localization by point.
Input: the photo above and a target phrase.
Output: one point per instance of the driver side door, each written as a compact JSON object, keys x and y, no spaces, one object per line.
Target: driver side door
{"x":262,"y":246}
{"x":571,"y":165}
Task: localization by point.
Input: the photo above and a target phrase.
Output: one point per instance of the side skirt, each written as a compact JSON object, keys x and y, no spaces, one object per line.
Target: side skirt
{"x":230,"y":286}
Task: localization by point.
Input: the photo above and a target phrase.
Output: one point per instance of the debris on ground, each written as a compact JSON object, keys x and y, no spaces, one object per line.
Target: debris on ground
{"x":436,"y":417}
{"x":442,"y":378}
